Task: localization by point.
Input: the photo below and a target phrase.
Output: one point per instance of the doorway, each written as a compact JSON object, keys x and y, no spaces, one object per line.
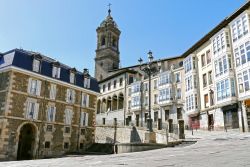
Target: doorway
{"x":210,"y":122}
{"x":26,"y":142}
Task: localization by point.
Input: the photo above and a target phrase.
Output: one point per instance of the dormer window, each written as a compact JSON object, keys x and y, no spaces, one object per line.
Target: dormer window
{"x":72,"y":76}
{"x":36,"y":66}
{"x":56,"y":71}
{"x":86,"y":78}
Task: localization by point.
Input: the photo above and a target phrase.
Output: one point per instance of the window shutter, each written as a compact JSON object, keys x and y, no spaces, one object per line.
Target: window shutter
{"x":58,"y":72}
{"x":81,"y":123}
{"x":54,"y":72}
{"x":89,"y":83}
{"x":29,"y":85}
{"x":36,"y":111}
{"x":68,"y":95}
{"x":54,"y":114}
{"x":73,"y":96}
{"x":48,"y":113}
{"x":66,"y":116}
{"x":38,"y":89}
{"x":86,"y":119}
{"x":87,"y":100}
{"x":28,"y":110}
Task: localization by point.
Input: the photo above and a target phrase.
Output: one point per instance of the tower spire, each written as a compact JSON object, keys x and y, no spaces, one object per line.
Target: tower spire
{"x":109,"y":11}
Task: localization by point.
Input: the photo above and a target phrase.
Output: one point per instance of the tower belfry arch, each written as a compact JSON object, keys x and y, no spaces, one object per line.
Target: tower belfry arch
{"x":107,"y":51}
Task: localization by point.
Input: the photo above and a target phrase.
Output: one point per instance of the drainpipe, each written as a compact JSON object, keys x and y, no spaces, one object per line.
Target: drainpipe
{"x":125,"y":101}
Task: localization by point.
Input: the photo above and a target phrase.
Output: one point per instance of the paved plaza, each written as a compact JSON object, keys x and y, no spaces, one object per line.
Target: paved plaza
{"x":212,"y":149}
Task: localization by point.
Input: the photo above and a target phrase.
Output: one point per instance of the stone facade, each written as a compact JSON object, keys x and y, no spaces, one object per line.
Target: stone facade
{"x":48,"y":136}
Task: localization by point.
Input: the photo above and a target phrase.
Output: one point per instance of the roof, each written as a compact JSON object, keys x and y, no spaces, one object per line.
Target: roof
{"x":216,"y":29}
{"x":24,"y":59}
{"x":117,"y":74}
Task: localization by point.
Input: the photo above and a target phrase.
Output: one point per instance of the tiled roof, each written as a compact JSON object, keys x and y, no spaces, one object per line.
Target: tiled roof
{"x":24,"y":59}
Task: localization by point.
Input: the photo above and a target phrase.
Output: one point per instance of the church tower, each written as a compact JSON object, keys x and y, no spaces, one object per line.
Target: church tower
{"x":107,"y":52}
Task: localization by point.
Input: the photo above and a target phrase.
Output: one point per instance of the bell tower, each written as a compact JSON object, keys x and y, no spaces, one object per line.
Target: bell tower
{"x":107,"y":52}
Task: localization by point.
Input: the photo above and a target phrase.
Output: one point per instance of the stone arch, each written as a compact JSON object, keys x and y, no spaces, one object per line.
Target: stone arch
{"x":120,"y":101}
{"x":27,"y":141}
{"x":103,"y":40}
{"x":114,"y":102}
{"x":109,"y":104}
{"x":98,"y":106}
{"x":104,"y":105}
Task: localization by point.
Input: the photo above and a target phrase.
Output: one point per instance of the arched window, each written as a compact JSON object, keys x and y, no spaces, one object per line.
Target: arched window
{"x":114,"y":43}
{"x":103,"y":41}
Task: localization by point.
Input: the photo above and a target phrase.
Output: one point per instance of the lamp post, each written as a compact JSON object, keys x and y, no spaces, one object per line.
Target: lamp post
{"x":149,"y":70}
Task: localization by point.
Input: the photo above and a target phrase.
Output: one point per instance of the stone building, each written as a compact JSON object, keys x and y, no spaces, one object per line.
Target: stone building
{"x":46,"y":108}
{"x":207,"y":86}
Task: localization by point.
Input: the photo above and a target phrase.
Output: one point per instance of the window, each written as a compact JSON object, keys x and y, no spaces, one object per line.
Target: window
{"x":210,"y":80}
{"x":109,"y":85}
{"x":49,"y":128}
{"x":136,"y":101}
{"x":189,"y":84}
{"x":70,"y":96}
{"x":165,"y":78}
{"x":188,"y":64}
{"x":211,"y":94}
{"x":222,"y":65}
{"x":166,"y":115}
{"x":129,"y":92}
{"x":223,"y":90}
{"x":233,"y":87}
{"x":103,"y":121}
{"x":66,"y":145}
{"x":56,"y":72}
{"x":203,"y":60}
{"x":66,"y":129}
{"x":53,"y":91}
{"x":84,"y":119}
{"x":81,"y":146}
{"x":204,"y":77}
{"x":51,"y":113}
{"x":178,"y":93}
{"x":121,"y":81}
{"x":206,"y":100}
{"x":129,"y":104}
{"x":114,"y":84}
{"x":240,"y":27}
{"x":72,"y":77}
{"x":155,"y":84}
{"x":247,"y":45}
{"x":47,"y":144}
{"x":165,"y":94}
{"x":156,"y":99}
{"x":85,"y":100}
{"x":145,"y":86}
{"x":86,"y":82}
{"x":146,"y":101}
{"x":103,"y":88}
{"x":32,"y":110}
{"x":136,"y":87}
{"x":36,"y":65}
{"x":246,"y":80}
{"x":34,"y":87}
{"x":83,"y":132}
{"x":177,"y":77}
{"x":208,"y":56}
{"x":68,"y":116}
{"x":240,"y":82}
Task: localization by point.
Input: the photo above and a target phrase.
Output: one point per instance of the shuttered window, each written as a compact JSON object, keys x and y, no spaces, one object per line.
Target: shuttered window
{"x":32,"y":110}
{"x":84,"y":119}
{"x":53,"y":91}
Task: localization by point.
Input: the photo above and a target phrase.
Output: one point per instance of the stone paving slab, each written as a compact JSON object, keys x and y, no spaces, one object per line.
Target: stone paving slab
{"x":219,"y":149}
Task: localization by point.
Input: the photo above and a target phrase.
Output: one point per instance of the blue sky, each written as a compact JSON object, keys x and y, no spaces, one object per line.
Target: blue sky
{"x":66,"y":29}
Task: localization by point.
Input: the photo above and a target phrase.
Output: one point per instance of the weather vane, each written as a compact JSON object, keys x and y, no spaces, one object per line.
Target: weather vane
{"x":109,"y":8}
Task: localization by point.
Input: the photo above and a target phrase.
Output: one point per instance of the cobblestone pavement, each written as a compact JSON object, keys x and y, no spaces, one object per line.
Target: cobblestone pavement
{"x":231,"y":149}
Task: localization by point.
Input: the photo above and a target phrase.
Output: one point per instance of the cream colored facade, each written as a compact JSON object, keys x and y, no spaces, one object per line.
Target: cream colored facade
{"x":214,"y":82}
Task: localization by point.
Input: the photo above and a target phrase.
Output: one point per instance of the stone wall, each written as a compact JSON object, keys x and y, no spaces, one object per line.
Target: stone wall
{"x":15,"y":120}
{"x":105,"y":134}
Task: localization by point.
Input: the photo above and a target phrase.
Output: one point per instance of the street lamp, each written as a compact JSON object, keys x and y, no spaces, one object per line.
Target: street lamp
{"x":149,"y":70}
